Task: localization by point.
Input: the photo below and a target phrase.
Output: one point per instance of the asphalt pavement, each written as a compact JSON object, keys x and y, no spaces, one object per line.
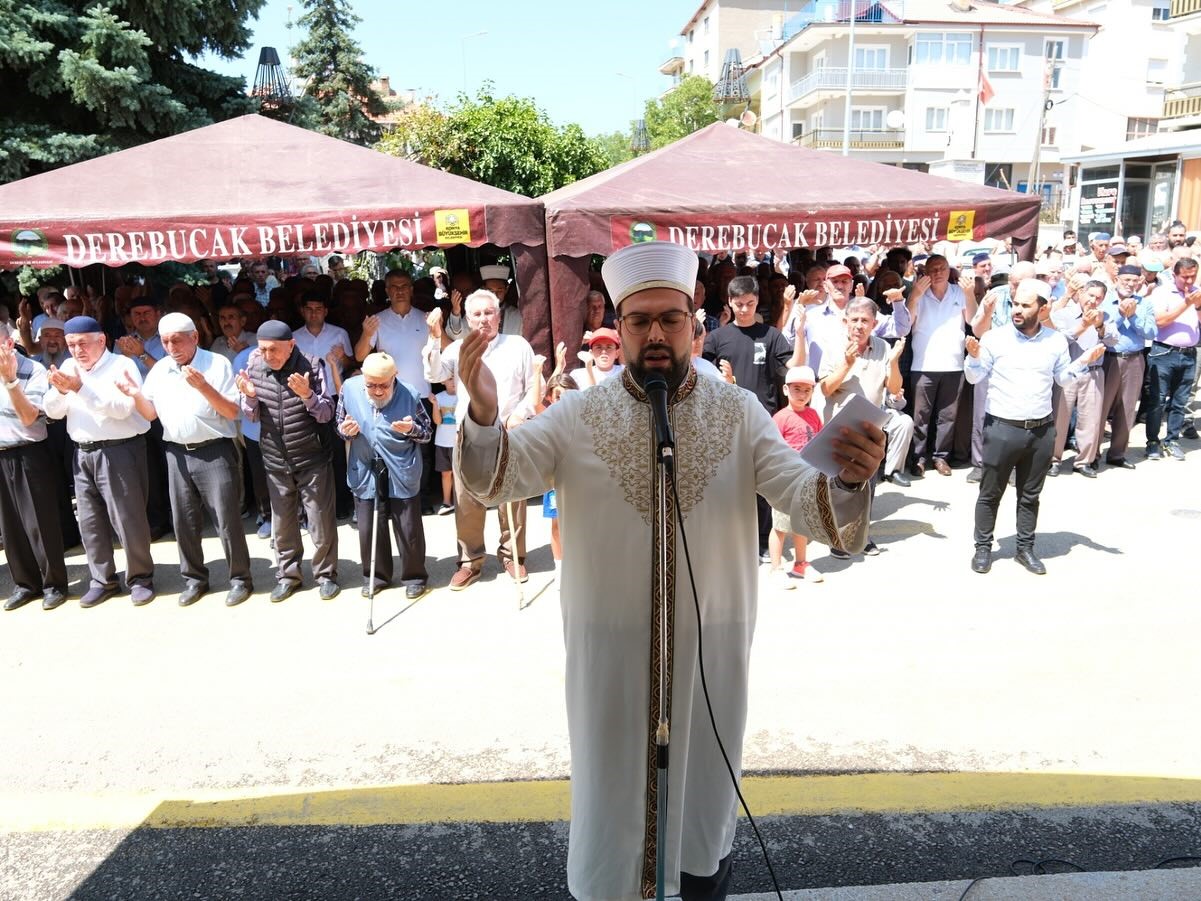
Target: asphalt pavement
{"x":910,"y":721}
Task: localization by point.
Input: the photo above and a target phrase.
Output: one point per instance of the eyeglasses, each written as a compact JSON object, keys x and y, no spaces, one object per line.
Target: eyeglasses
{"x":377,"y":386}
{"x":640,"y":323}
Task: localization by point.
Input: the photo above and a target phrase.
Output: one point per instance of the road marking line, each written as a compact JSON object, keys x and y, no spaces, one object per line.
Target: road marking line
{"x":549,"y":801}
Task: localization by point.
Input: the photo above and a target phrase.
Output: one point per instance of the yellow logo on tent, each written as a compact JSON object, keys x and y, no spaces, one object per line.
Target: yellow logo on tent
{"x":452,"y":226}
{"x":959,"y":225}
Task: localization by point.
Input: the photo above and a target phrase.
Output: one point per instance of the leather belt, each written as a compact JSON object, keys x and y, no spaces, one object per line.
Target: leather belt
{"x":1124,"y":354}
{"x":1027,"y":424}
{"x":1187,"y":351}
{"x":87,"y":446}
{"x":17,"y":447}
{"x":197,"y":446}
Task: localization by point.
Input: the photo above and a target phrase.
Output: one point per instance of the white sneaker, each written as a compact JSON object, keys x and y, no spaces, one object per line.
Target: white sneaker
{"x":804,"y":570}
{"x":782,"y":580}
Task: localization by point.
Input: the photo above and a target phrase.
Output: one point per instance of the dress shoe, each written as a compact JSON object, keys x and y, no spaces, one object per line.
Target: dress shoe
{"x":463,"y":577}
{"x":1053,"y":471}
{"x":975,"y":474}
{"x":52,"y":598}
{"x":517,"y":572}
{"x":192,"y":593}
{"x":283,"y":590}
{"x":982,"y":560}
{"x":20,"y":598}
{"x":141,"y":595}
{"x":1189,"y":432}
{"x":918,"y":470}
{"x":898,"y":478}
{"x":94,"y":597}
{"x":1031,"y":562}
{"x":328,"y":589}
{"x":1087,"y":471}
{"x":380,"y":585}
{"x":871,"y":549}
{"x":237,"y":594}
{"x":943,"y":467}
{"x":413,"y":592}
{"x":1123,"y":463}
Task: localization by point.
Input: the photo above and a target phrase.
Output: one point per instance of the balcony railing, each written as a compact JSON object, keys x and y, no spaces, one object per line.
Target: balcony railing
{"x":825,"y":12}
{"x":834,"y":78}
{"x":1181,"y":8}
{"x":861,"y":139}
{"x":1183,"y":101}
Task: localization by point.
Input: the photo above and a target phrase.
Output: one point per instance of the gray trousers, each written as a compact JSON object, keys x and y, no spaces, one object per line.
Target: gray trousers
{"x":207,"y":480}
{"x":899,"y":429}
{"x":979,"y":401}
{"x":111,"y":484}
{"x":1123,"y":385}
{"x":29,"y":524}
{"x":314,"y":488}
{"x":1085,"y":395}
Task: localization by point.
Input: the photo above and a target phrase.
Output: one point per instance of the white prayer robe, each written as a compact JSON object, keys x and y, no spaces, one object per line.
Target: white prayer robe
{"x":596,"y":448}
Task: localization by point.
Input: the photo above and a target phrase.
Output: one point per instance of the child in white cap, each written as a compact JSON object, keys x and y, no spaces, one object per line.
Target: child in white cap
{"x":798,"y":423}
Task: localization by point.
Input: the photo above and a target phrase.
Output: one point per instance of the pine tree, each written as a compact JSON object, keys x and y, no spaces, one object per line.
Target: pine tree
{"x":330,"y":63}
{"x":78,"y":79}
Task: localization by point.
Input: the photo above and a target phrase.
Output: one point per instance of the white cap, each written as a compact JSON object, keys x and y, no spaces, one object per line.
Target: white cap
{"x":174,"y":324}
{"x":652,"y":264}
{"x":497,"y":273}
{"x":1042,"y":267}
{"x":1035,"y":286}
{"x":800,"y":374}
{"x":49,"y":323}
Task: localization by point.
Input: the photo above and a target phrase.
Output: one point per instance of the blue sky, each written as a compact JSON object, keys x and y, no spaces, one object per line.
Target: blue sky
{"x":565,"y":55}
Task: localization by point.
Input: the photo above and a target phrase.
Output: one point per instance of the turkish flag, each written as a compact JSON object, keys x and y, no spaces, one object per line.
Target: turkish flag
{"x":986,"y":91}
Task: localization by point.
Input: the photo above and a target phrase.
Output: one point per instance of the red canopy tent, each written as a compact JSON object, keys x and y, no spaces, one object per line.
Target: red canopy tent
{"x":252,"y":186}
{"x":722,"y":188}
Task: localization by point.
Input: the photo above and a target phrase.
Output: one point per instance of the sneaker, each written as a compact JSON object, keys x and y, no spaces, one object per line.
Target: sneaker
{"x":975,"y":475}
{"x":839,"y":555}
{"x":265,"y":529}
{"x":764,"y":558}
{"x":871,"y":550}
{"x":804,"y":570}
{"x":1154,"y":451}
{"x":1190,"y":432}
{"x":463,"y":577}
{"x":445,"y":509}
{"x":1174,"y":450}
{"x":783,"y":580}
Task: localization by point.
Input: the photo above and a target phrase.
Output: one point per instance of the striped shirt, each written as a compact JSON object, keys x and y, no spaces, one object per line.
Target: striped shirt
{"x":32,"y":376}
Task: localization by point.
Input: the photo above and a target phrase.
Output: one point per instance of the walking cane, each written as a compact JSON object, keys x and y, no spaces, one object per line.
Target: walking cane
{"x":513,"y":553}
{"x":379,"y":471}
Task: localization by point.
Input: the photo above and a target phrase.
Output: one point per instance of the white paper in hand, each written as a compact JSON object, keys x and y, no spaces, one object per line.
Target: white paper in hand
{"x":819,"y":453}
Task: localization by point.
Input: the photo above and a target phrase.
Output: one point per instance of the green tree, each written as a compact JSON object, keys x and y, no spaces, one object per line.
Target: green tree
{"x":80,"y":78}
{"x":616,"y":147}
{"x":330,"y":62}
{"x":686,"y":109}
{"x":506,"y":142}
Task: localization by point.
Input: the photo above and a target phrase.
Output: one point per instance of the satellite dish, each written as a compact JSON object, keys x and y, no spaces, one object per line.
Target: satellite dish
{"x":895,"y":119}
{"x":733,"y":123}
{"x":748,"y":119}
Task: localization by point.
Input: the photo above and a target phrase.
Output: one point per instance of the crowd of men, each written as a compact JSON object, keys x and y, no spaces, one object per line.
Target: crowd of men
{"x":299,"y":400}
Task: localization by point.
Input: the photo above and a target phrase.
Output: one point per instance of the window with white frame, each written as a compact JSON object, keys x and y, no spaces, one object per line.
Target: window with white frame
{"x":950,"y":48}
{"x":815,"y":121}
{"x":867,"y":118}
{"x":706,"y":24}
{"x":1054,"y":53}
{"x":771,"y":83}
{"x":871,"y":56}
{"x":691,"y":35}
{"x":1141,"y":128}
{"x":936,"y":118}
{"x":819,"y":60}
{"x":1049,"y":136}
{"x":1004,"y":57}
{"x":998,"y":120}
{"x":1161,"y":12}
{"x":705,"y":64}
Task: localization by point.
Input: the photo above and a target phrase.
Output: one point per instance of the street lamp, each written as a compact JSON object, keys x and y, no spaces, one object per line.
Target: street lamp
{"x":463,"y":47}
{"x":731,"y":88}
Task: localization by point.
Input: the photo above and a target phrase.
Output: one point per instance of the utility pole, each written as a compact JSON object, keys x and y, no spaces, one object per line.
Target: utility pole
{"x":1032,"y":184}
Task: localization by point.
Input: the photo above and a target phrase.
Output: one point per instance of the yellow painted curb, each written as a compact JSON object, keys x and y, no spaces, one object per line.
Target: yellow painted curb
{"x":520,"y":802}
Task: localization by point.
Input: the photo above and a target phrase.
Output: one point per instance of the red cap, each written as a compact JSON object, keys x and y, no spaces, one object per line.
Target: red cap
{"x":838,"y":270}
{"x":605,"y":334}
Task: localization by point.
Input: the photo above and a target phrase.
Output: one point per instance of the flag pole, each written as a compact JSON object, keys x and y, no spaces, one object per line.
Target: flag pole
{"x":979,"y":89}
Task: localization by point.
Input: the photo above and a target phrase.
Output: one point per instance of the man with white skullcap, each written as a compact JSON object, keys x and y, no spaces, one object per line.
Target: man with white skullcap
{"x":191,"y":392}
{"x":1022,"y":361}
{"x":387,"y":425}
{"x":111,"y":480}
{"x":597,"y":448}
{"x":496,"y":279}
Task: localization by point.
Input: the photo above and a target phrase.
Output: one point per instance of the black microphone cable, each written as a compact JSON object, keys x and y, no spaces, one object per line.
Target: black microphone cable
{"x":700,"y":653}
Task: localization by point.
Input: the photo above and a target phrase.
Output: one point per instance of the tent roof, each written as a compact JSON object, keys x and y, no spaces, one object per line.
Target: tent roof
{"x":252,"y":171}
{"x":726,"y":177}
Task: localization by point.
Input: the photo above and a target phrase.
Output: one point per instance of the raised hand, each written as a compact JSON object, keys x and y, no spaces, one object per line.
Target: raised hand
{"x":243,"y":383}
{"x":852,"y":352}
{"x":128,"y":386}
{"x":539,"y":362}
{"x":348,"y":428}
{"x":8,"y":361}
{"x":920,"y":287}
{"x":1095,"y":354}
{"x":403,"y":426}
{"x":897,"y":350}
{"x":790,"y":295}
{"x":727,"y":371}
{"x":560,"y":356}
{"x":585,"y":357}
{"x":131,"y":346}
{"x":860,"y":289}
{"x":973,"y":346}
{"x":63,"y":382}
{"x":434,"y":321}
{"x":895,"y":295}
{"x":370,"y":325}
{"x":300,"y":385}
{"x":967,"y":284}
{"x":456,"y":303}
{"x":477,"y":379}
{"x":193,"y":377}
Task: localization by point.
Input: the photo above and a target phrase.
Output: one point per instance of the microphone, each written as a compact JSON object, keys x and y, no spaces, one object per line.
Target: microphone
{"x":655,"y":387}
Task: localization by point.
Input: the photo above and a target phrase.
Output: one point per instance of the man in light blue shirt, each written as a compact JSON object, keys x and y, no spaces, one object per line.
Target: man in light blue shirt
{"x":1125,"y":362}
{"x":1022,"y":361}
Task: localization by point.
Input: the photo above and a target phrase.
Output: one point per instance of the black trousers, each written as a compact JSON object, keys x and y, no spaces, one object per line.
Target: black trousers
{"x":404,"y":513}
{"x":202,"y":481}
{"x":708,"y":888}
{"x":29,"y":524}
{"x":158,"y":504}
{"x":1027,"y":453}
{"x":110,"y":491}
{"x":935,"y":403}
{"x":258,"y":478}
{"x":763,"y":512}
{"x":62,"y":475}
{"x":343,"y":500}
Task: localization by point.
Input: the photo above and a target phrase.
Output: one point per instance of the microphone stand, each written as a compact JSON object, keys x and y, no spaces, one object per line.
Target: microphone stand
{"x":665,"y":462}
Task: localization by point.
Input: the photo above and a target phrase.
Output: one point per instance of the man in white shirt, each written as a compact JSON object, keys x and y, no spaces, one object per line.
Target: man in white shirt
{"x":110,"y":461}
{"x":191,"y":392}
{"x":510,"y":359}
{"x":234,"y":337}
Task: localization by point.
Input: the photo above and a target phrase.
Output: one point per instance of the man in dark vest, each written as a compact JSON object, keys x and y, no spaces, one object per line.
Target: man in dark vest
{"x":284,"y":392}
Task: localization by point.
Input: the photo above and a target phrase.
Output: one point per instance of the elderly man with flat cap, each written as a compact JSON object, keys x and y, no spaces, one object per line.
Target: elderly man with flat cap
{"x":191,"y":392}
{"x":387,"y":424}
{"x":111,"y":481}
{"x":597,"y":447}
{"x":283,"y":391}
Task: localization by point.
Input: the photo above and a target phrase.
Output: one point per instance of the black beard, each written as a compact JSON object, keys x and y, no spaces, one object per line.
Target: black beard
{"x":674,"y":376}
